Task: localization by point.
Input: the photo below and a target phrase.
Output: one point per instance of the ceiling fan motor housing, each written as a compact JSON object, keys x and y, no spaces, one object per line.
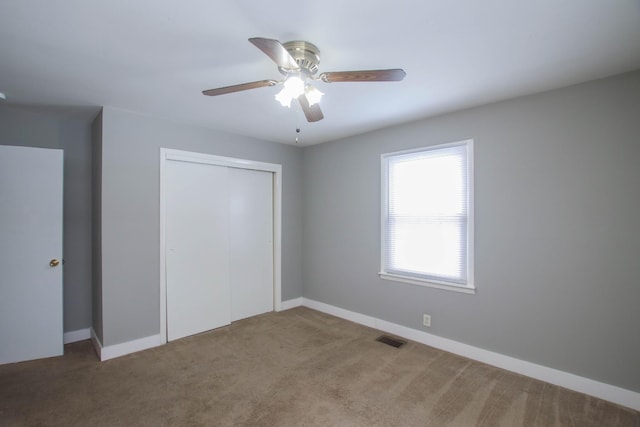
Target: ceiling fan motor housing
{"x":307,"y":56}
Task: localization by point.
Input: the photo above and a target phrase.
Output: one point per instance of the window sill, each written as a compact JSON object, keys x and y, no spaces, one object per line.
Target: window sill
{"x":429,"y":284}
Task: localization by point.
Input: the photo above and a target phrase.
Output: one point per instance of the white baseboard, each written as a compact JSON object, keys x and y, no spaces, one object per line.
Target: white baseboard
{"x":75,"y":336}
{"x":97,"y":345}
{"x":118,"y":350}
{"x":604,"y":391}
{"x":291,"y":303}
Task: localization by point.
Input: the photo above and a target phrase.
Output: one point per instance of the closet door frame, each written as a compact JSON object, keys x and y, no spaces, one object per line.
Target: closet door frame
{"x":167,"y":154}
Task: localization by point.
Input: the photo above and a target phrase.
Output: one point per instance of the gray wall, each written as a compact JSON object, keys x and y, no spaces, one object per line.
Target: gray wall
{"x":130,"y":213}
{"x":557,"y":241}
{"x":70,"y":131}
{"x":96,"y":229}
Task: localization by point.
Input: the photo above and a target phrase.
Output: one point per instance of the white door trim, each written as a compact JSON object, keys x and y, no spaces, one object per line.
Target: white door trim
{"x":192,"y":157}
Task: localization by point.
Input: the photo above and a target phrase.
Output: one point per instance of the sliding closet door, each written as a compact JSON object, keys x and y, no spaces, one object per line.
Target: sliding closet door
{"x":251,"y":242}
{"x":219,"y":245}
{"x":197,"y":242}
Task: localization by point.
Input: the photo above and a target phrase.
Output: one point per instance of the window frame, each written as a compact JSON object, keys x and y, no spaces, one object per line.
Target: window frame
{"x":469,"y":286}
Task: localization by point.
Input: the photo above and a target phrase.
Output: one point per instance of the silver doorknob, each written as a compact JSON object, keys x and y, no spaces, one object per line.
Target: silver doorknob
{"x":54,"y":263}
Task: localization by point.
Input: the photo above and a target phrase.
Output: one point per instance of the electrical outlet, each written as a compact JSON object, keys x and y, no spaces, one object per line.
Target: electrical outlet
{"x":426,"y":320}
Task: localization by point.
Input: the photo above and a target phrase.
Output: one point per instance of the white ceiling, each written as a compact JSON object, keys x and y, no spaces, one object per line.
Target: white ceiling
{"x":156,"y":56}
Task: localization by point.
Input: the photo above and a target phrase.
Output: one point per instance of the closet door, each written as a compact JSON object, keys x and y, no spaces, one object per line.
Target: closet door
{"x":197,"y":242}
{"x":251,"y":242}
{"x":219,"y":245}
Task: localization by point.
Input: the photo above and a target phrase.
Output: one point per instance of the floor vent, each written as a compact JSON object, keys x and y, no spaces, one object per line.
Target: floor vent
{"x":393,"y":342}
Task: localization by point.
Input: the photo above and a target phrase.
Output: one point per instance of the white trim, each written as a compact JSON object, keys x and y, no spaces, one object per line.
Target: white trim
{"x":611,"y":393}
{"x":163,"y":249}
{"x":291,"y":303}
{"x":427,"y":283}
{"x":97,"y":345}
{"x":277,"y":235}
{"x":471,"y":215}
{"x":187,"y":156}
{"x":75,"y":336}
{"x":469,"y":287}
{"x":118,"y":350}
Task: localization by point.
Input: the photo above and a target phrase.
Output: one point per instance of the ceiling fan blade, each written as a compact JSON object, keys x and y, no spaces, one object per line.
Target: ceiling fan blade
{"x":313,"y":113}
{"x":238,"y":88}
{"x":393,"y":75}
{"x":274,"y":50}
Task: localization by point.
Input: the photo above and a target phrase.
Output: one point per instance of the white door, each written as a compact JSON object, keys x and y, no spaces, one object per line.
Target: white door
{"x":197,"y":238}
{"x":30,"y":253}
{"x":219,"y":245}
{"x":251,"y":243}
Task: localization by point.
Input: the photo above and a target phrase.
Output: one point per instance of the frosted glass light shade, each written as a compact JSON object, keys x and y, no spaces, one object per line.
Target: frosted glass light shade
{"x":293,"y":88}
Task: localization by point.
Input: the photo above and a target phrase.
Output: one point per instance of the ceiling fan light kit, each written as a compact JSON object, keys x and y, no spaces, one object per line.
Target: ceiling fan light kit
{"x":293,"y":87}
{"x":313,"y":95}
{"x":298,"y":62}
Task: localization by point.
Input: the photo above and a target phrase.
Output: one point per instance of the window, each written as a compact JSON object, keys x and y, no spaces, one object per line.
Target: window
{"x":427,"y":216}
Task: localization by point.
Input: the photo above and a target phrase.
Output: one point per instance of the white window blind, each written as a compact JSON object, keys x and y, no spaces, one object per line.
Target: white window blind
{"x":426,"y":214}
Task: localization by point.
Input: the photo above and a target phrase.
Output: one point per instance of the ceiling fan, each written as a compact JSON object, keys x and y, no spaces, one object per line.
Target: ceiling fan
{"x":298,"y":62}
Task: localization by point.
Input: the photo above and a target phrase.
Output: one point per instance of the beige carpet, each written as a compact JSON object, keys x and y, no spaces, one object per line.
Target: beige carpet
{"x":294,"y":368}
